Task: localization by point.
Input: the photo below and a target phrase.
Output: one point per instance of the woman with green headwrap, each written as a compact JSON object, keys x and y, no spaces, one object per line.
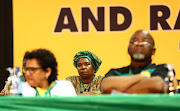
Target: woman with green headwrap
{"x":87,"y":64}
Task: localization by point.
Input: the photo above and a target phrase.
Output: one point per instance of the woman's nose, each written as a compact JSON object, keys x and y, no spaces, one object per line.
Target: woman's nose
{"x":27,"y":72}
{"x":83,"y":67}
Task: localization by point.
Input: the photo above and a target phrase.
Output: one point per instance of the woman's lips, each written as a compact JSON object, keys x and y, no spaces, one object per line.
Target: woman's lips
{"x":83,"y":72}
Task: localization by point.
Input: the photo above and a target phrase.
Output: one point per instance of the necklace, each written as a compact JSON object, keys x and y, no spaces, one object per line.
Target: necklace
{"x":89,"y":87}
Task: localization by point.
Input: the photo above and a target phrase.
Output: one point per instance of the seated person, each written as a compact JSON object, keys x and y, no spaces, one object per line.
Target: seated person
{"x":87,"y":64}
{"x":141,"y":76}
{"x":40,"y":72}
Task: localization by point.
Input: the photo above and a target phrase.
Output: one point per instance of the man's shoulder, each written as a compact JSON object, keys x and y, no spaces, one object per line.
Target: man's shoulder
{"x":160,"y":70}
{"x":117,"y":71}
{"x":158,"y":65}
{"x":122,"y":69}
{"x":161,"y":65}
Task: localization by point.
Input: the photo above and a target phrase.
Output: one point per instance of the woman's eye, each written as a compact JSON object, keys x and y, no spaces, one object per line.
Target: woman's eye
{"x":87,"y":63}
{"x":79,"y":65}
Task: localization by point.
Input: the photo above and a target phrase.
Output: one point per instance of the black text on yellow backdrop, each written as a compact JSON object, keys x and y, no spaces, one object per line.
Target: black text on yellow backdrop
{"x":99,"y":23}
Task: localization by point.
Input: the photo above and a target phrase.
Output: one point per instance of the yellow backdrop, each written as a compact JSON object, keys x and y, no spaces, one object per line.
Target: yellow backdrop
{"x":35,"y":21}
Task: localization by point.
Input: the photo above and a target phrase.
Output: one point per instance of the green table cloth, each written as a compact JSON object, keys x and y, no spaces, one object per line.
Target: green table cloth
{"x":124,"y":102}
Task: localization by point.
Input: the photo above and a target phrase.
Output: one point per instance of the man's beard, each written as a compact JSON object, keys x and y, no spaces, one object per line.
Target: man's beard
{"x":138,"y":57}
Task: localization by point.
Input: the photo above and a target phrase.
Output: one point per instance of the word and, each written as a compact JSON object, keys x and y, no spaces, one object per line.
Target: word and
{"x":99,"y":21}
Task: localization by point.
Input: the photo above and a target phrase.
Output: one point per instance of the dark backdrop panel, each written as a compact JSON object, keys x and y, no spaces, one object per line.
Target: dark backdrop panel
{"x":6,"y":39}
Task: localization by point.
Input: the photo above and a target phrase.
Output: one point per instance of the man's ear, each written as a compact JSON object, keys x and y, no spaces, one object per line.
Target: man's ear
{"x":153,"y":50}
{"x":48,"y":72}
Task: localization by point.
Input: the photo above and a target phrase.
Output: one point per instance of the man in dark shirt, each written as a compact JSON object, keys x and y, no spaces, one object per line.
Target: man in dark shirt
{"x":141,"y":76}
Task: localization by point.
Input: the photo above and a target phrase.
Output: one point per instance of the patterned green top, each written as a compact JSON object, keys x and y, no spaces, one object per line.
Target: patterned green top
{"x":94,"y":86}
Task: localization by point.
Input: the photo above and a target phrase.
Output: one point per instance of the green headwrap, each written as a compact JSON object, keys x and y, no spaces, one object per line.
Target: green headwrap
{"x":95,"y":61}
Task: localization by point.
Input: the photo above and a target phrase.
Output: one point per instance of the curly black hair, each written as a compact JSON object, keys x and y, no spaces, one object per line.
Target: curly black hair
{"x":46,"y":59}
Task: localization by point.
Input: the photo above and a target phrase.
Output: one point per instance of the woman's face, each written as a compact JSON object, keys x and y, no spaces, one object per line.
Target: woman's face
{"x":34,"y":74}
{"x":85,"y":68}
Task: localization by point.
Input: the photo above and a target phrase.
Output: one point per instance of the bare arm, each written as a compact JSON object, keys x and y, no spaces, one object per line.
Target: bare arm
{"x":119,"y":83}
{"x":149,"y":85}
